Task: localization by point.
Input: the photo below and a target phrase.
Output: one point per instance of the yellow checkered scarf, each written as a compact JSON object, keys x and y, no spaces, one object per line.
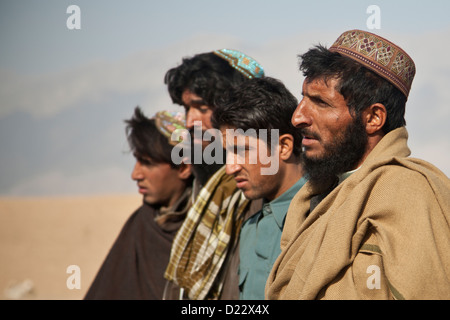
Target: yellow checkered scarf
{"x":201,"y":245}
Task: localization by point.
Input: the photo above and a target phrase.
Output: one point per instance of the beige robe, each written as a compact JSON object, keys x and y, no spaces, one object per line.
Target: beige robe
{"x":383,"y":233}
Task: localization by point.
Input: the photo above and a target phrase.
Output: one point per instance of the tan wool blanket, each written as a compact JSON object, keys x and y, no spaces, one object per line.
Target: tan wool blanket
{"x":383,"y":233}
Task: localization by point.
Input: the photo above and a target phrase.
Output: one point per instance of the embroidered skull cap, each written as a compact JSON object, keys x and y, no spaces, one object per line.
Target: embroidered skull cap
{"x":248,"y":66}
{"x":169,"y":121}
{"x":379,"y":55}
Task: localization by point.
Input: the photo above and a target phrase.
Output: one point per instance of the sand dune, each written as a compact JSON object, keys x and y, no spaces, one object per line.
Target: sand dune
{"x":41,"y":237}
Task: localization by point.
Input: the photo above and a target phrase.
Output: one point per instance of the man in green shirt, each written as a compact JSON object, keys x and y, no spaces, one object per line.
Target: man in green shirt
{"x":263,"y":155}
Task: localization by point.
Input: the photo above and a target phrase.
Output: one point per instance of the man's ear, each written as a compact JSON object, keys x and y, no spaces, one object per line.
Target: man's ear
{"x":184,"y":171}
{"x":374,"y":118}
{"x":286,"y":146}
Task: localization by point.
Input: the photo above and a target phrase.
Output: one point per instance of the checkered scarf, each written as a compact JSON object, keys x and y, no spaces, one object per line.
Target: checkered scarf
{"x":201,"y":245}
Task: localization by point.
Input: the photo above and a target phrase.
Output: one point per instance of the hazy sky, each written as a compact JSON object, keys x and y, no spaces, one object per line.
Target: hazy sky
{"x":65,"y":93}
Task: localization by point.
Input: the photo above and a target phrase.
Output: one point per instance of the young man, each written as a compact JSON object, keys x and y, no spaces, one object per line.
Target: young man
{"x":263,"y":156}
{"x":135,"y":265}
{"x":204,"y":247}
{"x":371,"y":223}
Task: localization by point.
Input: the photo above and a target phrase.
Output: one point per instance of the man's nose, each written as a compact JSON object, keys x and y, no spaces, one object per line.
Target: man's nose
{"x":231,"y":165}
{"x":231,"y":169}
{"x":136,"y":174}
{"x":192,"y":115}
{"x":300,"y":117}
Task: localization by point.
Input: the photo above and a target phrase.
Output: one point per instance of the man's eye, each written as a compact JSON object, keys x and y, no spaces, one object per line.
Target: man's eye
{"x":241,"y":150}
{"x":145,"y":162}
{"x":234,"y":149}
{"x":204,"y":109}
{"x":320,"y":102}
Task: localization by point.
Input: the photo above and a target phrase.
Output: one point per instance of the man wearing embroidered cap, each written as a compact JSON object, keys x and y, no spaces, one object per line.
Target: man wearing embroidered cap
{"x":198,"y":82}
{"x":372,"y":222}
{"x":203,"y":261}
{"x":134,"y":267}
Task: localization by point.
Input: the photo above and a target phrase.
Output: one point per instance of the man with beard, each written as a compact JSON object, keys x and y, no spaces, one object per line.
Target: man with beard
{"x":371,"y":223}
{"x":204,"y":247}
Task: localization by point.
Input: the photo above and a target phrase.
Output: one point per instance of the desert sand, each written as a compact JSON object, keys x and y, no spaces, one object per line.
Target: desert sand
{"x":41,"y":239}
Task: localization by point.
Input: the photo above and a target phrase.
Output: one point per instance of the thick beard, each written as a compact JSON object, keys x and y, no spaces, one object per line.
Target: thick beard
{"x":341,"y":156}
{"x":202,"y":172}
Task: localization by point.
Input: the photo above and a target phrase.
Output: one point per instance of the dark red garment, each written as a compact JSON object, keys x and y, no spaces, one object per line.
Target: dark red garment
{"x":134,"y":268}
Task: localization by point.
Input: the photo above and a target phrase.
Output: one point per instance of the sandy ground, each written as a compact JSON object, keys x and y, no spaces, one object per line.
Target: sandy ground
{"x":40,"y":238}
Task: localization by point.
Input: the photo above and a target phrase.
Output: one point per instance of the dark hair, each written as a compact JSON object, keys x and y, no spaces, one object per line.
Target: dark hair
{"x":206,"y":75}
{"x":260,"y":103}
{"x":359,"y":86}
{"x":146,"y":141}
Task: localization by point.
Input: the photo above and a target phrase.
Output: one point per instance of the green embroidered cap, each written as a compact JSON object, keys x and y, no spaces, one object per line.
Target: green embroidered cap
{"x":248,"y":66}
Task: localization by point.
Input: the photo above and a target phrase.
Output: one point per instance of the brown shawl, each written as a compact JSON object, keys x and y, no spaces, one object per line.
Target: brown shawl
{"x":134,"y":267}
{"x":382,"y":233}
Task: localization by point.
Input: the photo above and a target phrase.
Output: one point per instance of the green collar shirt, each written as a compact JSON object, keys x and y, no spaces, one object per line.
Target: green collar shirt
{"x":259,"y":244}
